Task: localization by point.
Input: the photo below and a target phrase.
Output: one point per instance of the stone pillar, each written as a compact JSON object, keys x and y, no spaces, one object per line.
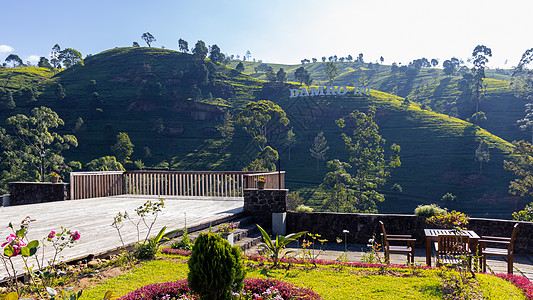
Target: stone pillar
{"x":37,"y":192}
{"x":262,"y":203}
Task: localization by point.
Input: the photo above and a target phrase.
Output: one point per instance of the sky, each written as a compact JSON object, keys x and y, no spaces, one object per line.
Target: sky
{"x":276,"y":31}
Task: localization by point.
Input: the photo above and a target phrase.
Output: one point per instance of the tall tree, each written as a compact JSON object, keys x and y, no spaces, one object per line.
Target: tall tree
{"x":148,"y":38}
{"x":6,"y":100}
{"x":44,"y":63}
{"x":248,"y":55}
{"x":337,"y":185}
{"x":215,"y":55}
{"x":527,"y":122}
{"x":522,"y":167}
{"x":60,"y":92}
{"x":281,"y":76}
{"x":200,"y":50}
{"x":15,"y":60}
{"x":34,"y":148}
{"x":183,"y":45}
{"x":123,"y":148}
{"x":270,"y":75}
{"x":522,"y":76}
{"x":265,"y":161}
{"x":482,"y":154}
{"x":302,"y":76}
{"x":381,"y":59}
{"x":479,"y":56}
{"x":449,"y":66}
{"x":331,"y":71}
{"x":240,"y":67}
{"x":365,"y":147}
{"x":259,"y":119}
{"x":434,"y":62}
{"x":54,"y":56}
{"x":319,"y":149}
{"x":70,"y":57}
{"x":290,"y":140}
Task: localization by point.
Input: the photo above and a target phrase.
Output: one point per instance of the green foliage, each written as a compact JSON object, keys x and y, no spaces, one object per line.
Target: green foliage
{"x":215,"y":268}
{"x":70,"y":57}
{"x":521,"y":166}
{"x":123,"y":148}
{"x":453,"y":219}
{"x":429,"y":210}
{"x":34,"y":148}
{"x":260,"y":119}
{"x":448,"y":197}
{"x":200,"y":50}
{"x":319,"y":148}
{"x":148,"y":38}
{"x":105,"y":163}
{"x":331,"y":71}
{"x":149,"y":248}
{"x":276,"y":248}
{"x":264,"y":161}
{"x":524,"y":215}
{"x":184,"y":243}
{"x":303,"y":209}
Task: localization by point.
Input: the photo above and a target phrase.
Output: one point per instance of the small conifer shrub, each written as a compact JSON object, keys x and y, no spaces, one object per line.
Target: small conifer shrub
{"x":215,"y":268}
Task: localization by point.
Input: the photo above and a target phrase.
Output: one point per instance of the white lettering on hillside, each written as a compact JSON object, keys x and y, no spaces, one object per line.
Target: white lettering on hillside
{"x":330,"y":91}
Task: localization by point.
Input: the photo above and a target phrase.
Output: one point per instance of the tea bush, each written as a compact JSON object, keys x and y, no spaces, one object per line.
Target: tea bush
{"x":215,"y":268}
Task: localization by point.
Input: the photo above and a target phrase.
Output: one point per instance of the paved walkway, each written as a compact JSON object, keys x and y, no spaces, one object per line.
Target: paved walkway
{"x":523,"y":264}
{"x":92,"y":218}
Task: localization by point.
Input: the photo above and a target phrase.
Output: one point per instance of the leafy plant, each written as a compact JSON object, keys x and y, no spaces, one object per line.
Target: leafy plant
{"x":304,"y":209}
{"x":524,"y":215}
{"x":276,"y":247}
{"x":227,"y":228}
{"x":63,"y":294}
{"x":149,"y":249}
{"x":215,"y":268}
{"x":429,"y":210}
{"x":184,"y":243}
{"x":309,"y":252}
{"x":453,"y":219}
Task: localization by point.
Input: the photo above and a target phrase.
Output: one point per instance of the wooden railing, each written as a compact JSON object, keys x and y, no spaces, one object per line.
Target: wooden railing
{"x":176,"y":183}
{"x":96,"y":184}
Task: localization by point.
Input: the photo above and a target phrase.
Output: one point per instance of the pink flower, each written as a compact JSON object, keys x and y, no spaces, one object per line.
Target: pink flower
{"x":52,"y":234}
{"x":10,"y":238}
{"x":75,"y":236}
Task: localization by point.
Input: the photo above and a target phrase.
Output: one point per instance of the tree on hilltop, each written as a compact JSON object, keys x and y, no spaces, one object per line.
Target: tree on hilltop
{"x":480,"y":60}
{"x":136,"y":45}
{"x":215,"y":55}
{"x":44,"y":63}
{"x":281,"y":75}
{"x":54,"y":56}
{"x":15,"y":60}
{"x":302,"y":76}
{"x":200,"y":50}
{"x":270,"y":75}
{"x":331,"y":71}
{"x":70,"y":57}
{"x":183,"y":45}
{"x":240,"y":67}
{"x":148,"y":38}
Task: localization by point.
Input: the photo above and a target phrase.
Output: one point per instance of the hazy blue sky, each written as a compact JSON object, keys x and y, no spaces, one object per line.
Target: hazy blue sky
{"x":283,"y":31}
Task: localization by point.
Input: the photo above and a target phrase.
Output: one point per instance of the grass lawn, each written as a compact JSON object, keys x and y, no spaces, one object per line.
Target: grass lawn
{"x":328,"y":281}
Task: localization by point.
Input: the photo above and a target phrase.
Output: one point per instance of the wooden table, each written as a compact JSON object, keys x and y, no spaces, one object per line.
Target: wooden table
{"x":432,"y":235}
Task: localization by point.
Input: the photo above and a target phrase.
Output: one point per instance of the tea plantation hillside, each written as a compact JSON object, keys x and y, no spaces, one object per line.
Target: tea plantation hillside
{"x":171,"y":106}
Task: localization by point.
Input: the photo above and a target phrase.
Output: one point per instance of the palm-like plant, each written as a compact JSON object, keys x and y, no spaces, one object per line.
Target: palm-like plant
{"x":276,"y":247}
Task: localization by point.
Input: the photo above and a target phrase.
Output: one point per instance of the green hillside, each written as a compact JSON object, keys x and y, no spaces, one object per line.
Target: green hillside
{"x":170,"y":105}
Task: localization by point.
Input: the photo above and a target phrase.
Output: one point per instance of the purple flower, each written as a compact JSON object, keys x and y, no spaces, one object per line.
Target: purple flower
{"x":52,"y":234}
{"x":75,"y":236}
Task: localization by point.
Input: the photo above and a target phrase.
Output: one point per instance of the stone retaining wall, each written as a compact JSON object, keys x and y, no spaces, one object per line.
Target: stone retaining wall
{"x":37,"y":192}
{"x":262,"y":203}
{"x":363,"y":226}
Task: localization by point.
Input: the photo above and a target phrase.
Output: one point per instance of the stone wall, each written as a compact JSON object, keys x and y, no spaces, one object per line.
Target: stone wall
{"x":262,"y":203}
{"x":363,"y":226}
{"x":37,"y":192}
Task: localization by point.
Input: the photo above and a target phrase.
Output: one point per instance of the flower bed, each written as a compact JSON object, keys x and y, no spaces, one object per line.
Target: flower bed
{"x":519,"y":281}
{"x":253,"y":289}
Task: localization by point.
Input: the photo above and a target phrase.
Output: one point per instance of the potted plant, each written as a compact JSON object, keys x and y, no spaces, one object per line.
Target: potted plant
{"x":261,"y":182}
{"x":226,"y":231}
{"x":54,"y":177}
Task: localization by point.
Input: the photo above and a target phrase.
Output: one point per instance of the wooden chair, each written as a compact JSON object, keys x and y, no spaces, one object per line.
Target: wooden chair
{"x":451,"y":249}
{"x":409,"y":249}
{"x":502,"y":252}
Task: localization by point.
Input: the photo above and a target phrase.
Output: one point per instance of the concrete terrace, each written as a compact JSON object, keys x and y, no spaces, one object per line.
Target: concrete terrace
{"x":92,"y":218}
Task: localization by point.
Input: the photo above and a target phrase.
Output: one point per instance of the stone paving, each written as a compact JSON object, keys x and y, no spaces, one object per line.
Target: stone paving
{"x":523,"y":264}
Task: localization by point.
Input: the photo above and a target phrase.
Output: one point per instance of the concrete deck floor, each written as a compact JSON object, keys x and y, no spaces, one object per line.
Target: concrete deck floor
{"x":92,"y":218}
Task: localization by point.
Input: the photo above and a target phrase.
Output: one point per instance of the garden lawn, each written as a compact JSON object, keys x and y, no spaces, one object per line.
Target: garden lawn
{"x":329,"y":282}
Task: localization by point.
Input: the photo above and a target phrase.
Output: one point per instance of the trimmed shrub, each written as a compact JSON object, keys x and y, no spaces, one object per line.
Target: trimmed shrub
{"x":215,"y":268}
{"x":429,"y":210}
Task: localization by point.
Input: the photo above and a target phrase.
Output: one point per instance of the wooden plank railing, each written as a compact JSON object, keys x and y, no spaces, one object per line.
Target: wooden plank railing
{"x":96,"y":184}
{"x":175,"y":183}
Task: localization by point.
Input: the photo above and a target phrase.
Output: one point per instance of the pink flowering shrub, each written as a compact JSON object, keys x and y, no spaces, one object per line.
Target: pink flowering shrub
{"x":519,"y":281}
{"x":258,"y":287}
{"x":176,"y":251}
